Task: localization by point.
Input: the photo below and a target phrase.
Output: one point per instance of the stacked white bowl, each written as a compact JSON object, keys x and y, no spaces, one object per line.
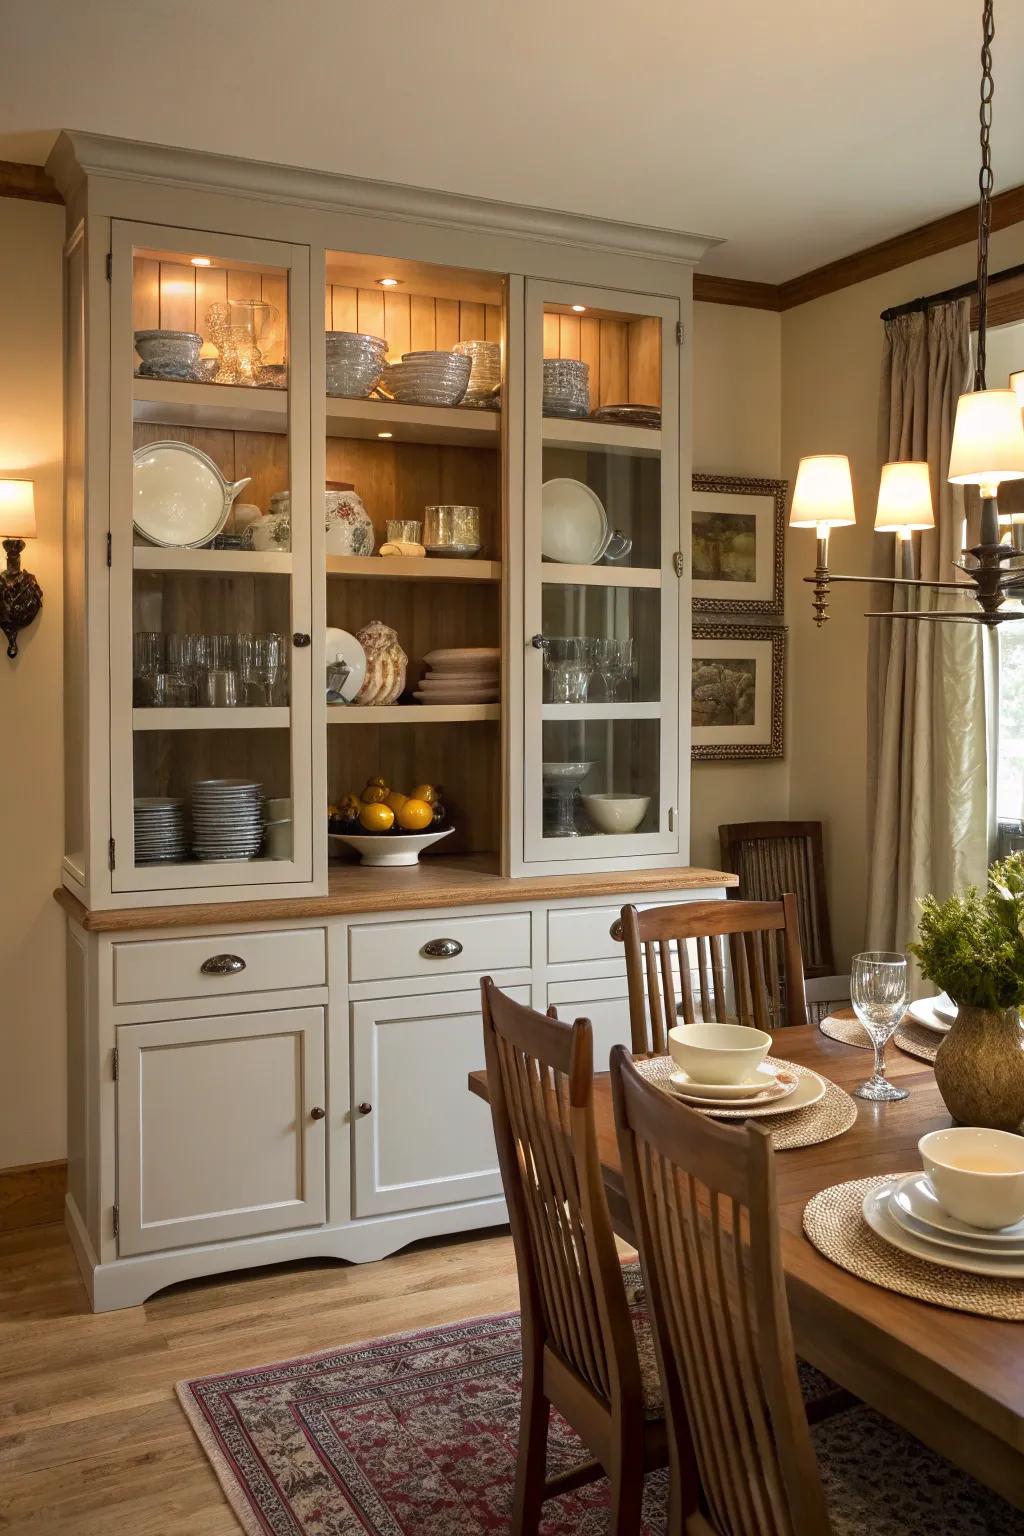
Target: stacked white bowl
{"x":428,"y":378}
{"x":566,"y":387}
{"x":461,"y":675}
{"x":227,"y":819}
{"x":485,"y":372}
{"x":355,"y":363}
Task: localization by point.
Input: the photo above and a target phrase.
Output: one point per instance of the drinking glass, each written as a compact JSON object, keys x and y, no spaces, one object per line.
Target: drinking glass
{"x":878,"y":991}
{"x":622,"y":668}
{"x":262,"y":657}
{"x":570,"y":660}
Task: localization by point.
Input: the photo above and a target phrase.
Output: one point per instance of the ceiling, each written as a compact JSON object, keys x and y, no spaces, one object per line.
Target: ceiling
{"x":798,"y":131}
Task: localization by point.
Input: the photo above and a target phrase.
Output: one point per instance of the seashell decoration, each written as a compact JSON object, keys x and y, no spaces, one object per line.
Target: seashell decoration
{"x":386,"y":663}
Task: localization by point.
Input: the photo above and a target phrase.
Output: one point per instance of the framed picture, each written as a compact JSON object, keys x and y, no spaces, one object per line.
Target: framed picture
{"x":736,"y":691}
{"x":737,"y":545}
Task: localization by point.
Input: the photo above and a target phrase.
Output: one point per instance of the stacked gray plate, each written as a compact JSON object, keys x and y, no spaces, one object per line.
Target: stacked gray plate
{"x":566,"y":387}
{"x":630,"y":415}
{"x":227,"y":819}
{"x":355,"y":363}
{"x":428,"y":378}
{"x":159,"y":830}
{"x":485,"y":371}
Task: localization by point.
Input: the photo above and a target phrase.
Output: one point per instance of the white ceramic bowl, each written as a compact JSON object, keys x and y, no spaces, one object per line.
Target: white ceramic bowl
{"x":718,"y":1053}
{"x":990,"y":1195}
{"x":388,"y":849}
{"x":616,"y":813}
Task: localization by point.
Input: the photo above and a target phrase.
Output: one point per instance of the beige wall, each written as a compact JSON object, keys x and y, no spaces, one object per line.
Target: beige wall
{"x":737,"y":424}
{"x":32,"y":1044}
{"x":831,"y":355}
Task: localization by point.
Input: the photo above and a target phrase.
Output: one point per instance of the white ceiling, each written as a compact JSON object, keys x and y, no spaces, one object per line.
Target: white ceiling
{"x":798,"y":130}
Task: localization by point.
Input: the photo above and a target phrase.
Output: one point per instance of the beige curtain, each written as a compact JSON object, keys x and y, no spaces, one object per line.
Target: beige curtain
{"x":928,"y":745}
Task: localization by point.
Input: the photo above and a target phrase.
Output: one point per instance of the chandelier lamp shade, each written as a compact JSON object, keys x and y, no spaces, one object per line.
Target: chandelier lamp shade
{"x":987,"y":449}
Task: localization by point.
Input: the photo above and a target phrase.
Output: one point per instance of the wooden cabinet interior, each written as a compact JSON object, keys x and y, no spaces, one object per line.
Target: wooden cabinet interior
{"x":623,"y":351}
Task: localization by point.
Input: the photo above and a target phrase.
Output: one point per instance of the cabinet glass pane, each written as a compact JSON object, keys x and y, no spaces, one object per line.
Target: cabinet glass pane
{"x":601,"y":644}
{"x":600,"y":777}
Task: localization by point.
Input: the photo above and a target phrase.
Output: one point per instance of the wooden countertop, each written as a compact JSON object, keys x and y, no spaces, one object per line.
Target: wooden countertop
{"x":456,"y":882}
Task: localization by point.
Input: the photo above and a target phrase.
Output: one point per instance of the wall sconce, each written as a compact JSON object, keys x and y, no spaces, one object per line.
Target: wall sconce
{"x":21,"y":596}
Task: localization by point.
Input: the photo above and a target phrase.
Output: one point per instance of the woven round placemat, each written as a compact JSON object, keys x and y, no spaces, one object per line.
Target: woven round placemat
{"x":917,"y":1041}
{"x":849,"y":1030}
{"x":834,"y":1223}
{"x":831,"y":1116}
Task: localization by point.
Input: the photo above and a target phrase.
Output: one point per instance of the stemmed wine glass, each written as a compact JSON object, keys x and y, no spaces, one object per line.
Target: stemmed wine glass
{"x":262,"y":659}
{"x":878,"y":991}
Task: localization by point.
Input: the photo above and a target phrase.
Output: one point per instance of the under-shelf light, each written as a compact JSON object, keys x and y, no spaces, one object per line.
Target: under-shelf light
{"x":387,"y":282}
{"x":579,"y":309}
{"x":385,"y":434}
{"x":201,"y":261}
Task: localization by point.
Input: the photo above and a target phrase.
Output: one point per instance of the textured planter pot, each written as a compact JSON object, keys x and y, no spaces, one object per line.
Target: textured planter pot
{"x":979,"y":1068}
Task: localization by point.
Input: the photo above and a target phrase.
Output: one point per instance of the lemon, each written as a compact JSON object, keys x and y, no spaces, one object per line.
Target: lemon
{"x":415,"y":815}
{"x":396,"y":800}
{"x":375,"y":794}
{"x":428,"y":792}
{"x":375,"y":817}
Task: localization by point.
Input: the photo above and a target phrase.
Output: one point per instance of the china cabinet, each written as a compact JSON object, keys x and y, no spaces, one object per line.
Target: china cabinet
{"x":270,"y":1041}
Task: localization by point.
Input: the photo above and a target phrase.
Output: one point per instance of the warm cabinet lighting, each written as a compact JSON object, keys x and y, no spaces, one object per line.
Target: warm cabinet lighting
{"x":387,"y":282}
{"x":20,"y":594}
{"x":579,"y":309}
{"x":201,"y":261}
{"x":385,"y":434}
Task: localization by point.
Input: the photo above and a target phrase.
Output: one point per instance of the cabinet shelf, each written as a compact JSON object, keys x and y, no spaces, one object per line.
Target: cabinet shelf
{"x":413,"y":568}
{"x":211,"y":562}
{"x":560,"y":432}
{"x":241,"y":718}
{"x":554,"y":573}
{"x":236,"y":408}
{"x":601,"y":711}
{"x":410,"y":714}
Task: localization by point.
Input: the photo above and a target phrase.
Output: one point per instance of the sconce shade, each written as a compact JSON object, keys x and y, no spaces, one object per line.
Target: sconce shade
{"x":17,"y":510}
{"x":988,"y":439}
{"x":1017,"y":385}
{"x":823,"y":492}
{"x":904,"y":497}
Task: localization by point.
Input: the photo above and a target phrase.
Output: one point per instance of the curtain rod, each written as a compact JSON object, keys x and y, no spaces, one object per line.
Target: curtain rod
{"x":962,"y":291}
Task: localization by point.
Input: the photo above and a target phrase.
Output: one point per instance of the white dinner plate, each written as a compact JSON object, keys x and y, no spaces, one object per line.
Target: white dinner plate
{"x":881,"y":1221}
{"x":976,"y":1243}
{"x":574,"y":524}
{"x":180,"y":499}
{"x":768,"y":1080}
{"x":809,"y":1089}
{"x":915,"y":1198}
{"x":945,"y":1008}
{"x":339,"y":645}
{"x":924,"y":1012}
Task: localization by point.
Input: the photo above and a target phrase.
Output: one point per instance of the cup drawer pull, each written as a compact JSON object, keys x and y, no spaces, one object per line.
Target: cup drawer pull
{"x":441,"y":949}
{"x":223,"y":965}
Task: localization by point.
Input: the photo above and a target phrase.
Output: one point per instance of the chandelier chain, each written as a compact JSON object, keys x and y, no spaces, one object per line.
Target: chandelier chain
{"x":985,"y":183}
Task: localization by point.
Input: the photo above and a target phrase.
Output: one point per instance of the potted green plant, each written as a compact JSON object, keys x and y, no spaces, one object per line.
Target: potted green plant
{"x":972,"y":946}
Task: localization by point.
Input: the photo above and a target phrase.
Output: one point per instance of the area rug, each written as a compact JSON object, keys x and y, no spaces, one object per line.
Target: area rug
{"x":413,"y":1435}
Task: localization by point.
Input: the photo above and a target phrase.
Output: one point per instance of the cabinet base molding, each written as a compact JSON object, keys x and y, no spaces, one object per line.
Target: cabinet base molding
{"x":129,"y":1282}
{"x":32,"y":1195}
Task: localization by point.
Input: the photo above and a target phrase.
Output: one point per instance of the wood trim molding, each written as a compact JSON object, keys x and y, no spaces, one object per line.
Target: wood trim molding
{"x":708,"y":289}
{"x":27,"y":181}
{"x":32,"y":1196}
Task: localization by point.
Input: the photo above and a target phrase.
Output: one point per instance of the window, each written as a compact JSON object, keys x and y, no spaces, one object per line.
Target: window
{"x":1010,"y":780}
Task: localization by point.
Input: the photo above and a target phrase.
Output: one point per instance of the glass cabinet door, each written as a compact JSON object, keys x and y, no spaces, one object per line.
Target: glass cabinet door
{"x":601,"y":725}
{"x":209,"y":552}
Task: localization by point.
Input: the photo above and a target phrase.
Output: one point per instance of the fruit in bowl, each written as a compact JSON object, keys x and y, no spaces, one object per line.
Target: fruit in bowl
{"x":386,"y":826}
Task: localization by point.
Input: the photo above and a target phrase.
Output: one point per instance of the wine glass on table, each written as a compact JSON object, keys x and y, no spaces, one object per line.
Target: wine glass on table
{"x":878,"y":991}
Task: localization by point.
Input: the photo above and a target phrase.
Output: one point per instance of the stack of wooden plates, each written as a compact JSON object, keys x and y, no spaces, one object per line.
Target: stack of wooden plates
{"x":462,"y":675}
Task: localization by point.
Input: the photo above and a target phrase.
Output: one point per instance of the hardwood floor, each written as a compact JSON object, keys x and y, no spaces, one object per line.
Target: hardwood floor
{"x":92,"y":1439}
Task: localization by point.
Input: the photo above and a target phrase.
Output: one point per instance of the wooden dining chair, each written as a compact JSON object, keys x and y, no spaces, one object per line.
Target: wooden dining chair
{"x":584,"y":1349}
{"x":744,"y":1458}
{"x":770,"y":857}
{"x":744,"y":957}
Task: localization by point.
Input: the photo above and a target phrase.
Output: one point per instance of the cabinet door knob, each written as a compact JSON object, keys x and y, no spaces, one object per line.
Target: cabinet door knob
{"x":364,"y":1108}
{"x":300,"y":639}
{"x":615,"y":931}
{"x":223,"y":965}
{"x":539,"y":642}
{"x":441,"y":949}
{"x":317,"y":1112}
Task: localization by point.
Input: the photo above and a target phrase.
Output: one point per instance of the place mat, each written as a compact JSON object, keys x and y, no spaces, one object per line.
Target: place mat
{"x":831,"y":1116}
{"x":917,"y":1041}
{"x":845,"y":1026}
{"x":834,"y":1223}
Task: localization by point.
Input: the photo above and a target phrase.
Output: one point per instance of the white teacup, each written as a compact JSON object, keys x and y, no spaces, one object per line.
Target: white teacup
{"x":977,"y":1174}
{"x":718,"y":1053}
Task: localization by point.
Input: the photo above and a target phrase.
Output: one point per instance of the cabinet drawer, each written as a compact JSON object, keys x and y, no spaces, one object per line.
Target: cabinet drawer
{"x":475,"y":944}
{"x":164,"y":970}
{"x":583,"y":933}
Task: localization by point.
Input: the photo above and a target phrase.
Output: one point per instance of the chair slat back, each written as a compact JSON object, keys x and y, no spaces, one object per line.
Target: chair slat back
{"x":703,"y":1202}
{"x":540,"y":1079}
{"x":771,"y":857}
{"x":744,"y":955}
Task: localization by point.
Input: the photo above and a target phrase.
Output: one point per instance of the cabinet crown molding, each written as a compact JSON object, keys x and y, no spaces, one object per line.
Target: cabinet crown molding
{"x":77,"y":154}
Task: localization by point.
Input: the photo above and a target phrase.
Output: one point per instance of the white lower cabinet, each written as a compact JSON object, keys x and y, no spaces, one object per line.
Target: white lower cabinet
{"x":220,"y":1128}
{"x":604,"y":1002}
{"x":419,"y":1138}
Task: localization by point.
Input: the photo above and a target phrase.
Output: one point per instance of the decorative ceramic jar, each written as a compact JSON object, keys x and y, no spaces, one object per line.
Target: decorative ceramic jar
{"x":979,"y":1068}
{"x":386,"y":663}
{"x":349,"y":529}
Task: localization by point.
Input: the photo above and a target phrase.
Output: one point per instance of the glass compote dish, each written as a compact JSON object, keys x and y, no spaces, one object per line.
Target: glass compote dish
{"x":878,"y":991}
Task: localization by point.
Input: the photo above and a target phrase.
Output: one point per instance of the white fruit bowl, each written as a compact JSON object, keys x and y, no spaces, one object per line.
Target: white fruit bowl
{"x":389,"y":850}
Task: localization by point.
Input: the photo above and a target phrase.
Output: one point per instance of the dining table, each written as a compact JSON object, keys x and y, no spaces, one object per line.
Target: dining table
{"x":954,"y":1379}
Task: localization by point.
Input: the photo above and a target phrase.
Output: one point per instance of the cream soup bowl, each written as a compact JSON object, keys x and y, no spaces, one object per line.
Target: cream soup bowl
{"x":989,"y":1194}
{"x":718,"y":1053}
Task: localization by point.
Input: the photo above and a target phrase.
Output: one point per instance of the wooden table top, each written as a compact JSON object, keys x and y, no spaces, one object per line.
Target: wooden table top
{"x":954,"y":1379}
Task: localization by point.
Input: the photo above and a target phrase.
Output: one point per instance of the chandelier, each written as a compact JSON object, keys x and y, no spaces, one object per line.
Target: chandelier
{"x":987,"y":448}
